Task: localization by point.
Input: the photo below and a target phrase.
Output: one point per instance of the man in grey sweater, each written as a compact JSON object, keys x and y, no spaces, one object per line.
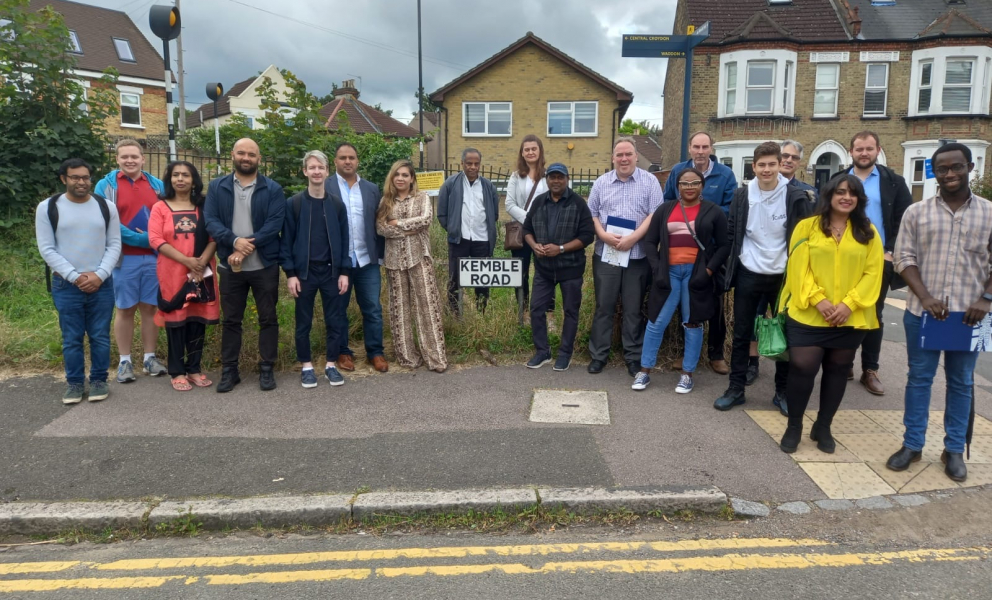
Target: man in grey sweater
{"x":79,"y":237}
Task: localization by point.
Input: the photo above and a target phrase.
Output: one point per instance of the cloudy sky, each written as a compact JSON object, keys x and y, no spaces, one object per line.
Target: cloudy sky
{"x":325,"y":41}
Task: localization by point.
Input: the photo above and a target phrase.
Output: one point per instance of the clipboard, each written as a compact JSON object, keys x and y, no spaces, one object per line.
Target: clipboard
{"x":953,"y":335}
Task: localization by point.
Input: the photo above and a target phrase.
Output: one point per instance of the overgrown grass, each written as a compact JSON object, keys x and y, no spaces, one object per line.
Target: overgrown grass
{"x":30,"y":340}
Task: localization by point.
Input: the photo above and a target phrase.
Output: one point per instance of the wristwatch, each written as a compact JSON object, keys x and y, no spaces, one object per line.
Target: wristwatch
{"x":561,"y":250}
{"x":987,"y":296}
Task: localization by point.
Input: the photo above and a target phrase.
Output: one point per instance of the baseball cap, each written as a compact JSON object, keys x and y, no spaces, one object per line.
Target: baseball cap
{"x":556,"y":168}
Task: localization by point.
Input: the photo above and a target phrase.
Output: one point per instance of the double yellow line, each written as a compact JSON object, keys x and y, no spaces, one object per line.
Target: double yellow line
{"x":731,"y":561}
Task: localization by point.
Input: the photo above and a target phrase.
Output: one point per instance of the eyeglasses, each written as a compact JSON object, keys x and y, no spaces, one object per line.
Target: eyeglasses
{"x":795,"y":157}
{"x":958,"y":168}
{"x":78,"y":178}
{"x":690,"y":184}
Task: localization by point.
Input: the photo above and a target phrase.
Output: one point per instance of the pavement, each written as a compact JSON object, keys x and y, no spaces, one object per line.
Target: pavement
{"x":410,"y":432}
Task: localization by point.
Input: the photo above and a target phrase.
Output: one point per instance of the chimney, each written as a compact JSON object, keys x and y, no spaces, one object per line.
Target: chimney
{"x":856,"y":23}
{"x":347,"y":89}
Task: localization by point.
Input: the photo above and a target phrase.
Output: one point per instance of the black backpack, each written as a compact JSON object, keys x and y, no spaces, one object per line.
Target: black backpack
{"x":53,"y":217}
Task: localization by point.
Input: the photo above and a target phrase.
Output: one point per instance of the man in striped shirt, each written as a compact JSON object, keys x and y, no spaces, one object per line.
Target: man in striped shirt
{"x":631,"y":194}
{"x":944,"y":253}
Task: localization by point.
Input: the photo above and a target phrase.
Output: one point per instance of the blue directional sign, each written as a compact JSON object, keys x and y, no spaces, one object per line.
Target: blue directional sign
{"x":659,"y":46}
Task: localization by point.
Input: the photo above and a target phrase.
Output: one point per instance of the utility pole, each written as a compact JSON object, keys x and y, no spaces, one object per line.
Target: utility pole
{"x":420,"y":88}
{"x":182,"y":86}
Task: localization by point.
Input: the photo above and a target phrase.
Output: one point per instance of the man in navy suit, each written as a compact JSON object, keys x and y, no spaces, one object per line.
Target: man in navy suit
{"x":365,"y":251}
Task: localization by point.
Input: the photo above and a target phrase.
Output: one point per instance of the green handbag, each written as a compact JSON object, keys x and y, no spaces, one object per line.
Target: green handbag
{"x":770,"y":331}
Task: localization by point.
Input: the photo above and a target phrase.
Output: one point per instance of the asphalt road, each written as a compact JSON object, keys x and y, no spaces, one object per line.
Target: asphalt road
{"x":939,"y":551}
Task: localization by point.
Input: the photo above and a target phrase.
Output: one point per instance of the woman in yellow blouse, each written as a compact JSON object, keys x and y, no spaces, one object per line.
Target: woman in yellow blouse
{"x":833,"y":280}
{"x":403,"y":218}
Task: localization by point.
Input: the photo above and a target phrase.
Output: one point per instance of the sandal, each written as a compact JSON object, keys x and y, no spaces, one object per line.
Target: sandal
{"x":181,"y":384}
{"x":199,"y":380}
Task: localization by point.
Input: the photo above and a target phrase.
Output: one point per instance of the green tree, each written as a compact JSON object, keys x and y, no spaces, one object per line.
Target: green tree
{"x":629,"y":127}
{"x":201,"y":139}
{"x":982,"y":185}
{"x":46,"y":116}
{"x":378,"y":107}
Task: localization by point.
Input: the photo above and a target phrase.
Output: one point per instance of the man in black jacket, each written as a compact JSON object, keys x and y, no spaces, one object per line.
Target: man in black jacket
{"x":244,"y":213}
{"x":762,"y":218}
{"x":558,"y":228}
{"x":888,"y":198}
{"x":314,"y":255}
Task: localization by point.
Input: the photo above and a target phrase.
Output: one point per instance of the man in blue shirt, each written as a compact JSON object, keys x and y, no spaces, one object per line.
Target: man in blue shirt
{"x":718,"y":187}
{"x":888,"y":198}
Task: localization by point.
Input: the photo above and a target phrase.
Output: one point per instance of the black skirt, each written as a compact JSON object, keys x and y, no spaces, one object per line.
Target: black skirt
{"x":839,"y":338}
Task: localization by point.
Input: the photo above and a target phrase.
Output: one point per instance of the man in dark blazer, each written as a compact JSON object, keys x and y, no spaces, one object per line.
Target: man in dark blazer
{"x":244,"y":212}
{"x":888,"y":198}
{"x":467,"y":208}
{"x":365,"y":251}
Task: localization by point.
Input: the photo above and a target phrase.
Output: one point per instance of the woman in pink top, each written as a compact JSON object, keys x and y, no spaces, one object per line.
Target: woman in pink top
{"x":187,"y":299}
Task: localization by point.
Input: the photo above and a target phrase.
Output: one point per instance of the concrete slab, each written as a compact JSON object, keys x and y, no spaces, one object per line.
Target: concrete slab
{"x":746,"y":508}
{"x":847,"y":480}
{"x":249,"y":512}
{"x":795,"y":508}
{"x":574,"y":407}
{"x":637,"y":499}
{"x":29,"y":518}
{"x":835,"y":504}
{"x":910,"y":500}
{"x":874,"y":503}
{"x":374,"y":504}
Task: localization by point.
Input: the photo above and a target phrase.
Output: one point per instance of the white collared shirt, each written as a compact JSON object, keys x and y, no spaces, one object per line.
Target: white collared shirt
{"x":358,"y":249}
{"x":473,"y":211}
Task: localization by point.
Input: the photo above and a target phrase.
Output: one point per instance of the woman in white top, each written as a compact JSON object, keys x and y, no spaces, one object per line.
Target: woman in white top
{"x":527,"y":182}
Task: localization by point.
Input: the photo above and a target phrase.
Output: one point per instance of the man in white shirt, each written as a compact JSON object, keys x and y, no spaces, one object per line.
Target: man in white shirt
{"x":762,"y":217}
{"x":467,"y":208}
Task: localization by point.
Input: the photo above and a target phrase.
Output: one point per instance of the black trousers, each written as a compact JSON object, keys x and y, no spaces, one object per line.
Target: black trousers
{"x":541,"y":299}
{"x":750,"y":290}
{"x":717,"y":336}
{"x":320,"y":278}
{"x":524,"y":254}
{"x":234,"y":287}
{"x":871,"y":348}
{"x":465,"y":249}
{"x":185,"y":348}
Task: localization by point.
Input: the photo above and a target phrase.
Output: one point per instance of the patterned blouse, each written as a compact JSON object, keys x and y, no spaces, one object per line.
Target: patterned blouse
{"x":412,"y":214}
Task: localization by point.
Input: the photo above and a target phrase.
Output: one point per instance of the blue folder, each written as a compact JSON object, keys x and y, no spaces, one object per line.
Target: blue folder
{"x":952,"y":334}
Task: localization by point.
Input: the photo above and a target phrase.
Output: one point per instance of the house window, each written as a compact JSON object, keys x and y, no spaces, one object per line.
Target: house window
{"x":956,"y":95}
{"x":757,"y":82}
{"x":250,"y":122}
{"x":727,"y":161}
{"x":825,"y":97}
{"x":572,"y":118}
{"x":876,"y":90}
{"x":918,"y":179}
{"x":486,"y":118}
{"x":130,"y":109}
{"x":748,"y":170}
{"x":731,"y":97}
{"x":950,"y":80}
{"x":7,"y":35}
{"x":74,"y":41}
{"x":123,"y":48}
{"x":760,"y":86}
{"x":926,"y":87}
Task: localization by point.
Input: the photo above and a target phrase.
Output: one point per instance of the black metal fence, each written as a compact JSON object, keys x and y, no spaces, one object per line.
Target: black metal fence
{"x":580,"y":180}
{"x":208,"y":165}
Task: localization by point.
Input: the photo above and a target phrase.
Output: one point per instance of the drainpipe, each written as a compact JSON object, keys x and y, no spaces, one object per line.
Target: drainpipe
{"x":613,"y":133}
{"x":445,"y":167}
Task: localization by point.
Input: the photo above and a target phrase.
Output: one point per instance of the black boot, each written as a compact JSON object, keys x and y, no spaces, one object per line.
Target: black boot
{"x":901,"y":460}
{"x":790,"y":440}
{"x":228,"y":379}
{"x":266,"y":378}
{"x":820,"y":434}
{"x":954,"y":465}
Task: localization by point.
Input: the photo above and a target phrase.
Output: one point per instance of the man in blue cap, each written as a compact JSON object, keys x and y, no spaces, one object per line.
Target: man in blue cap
{"x":558,"y":228}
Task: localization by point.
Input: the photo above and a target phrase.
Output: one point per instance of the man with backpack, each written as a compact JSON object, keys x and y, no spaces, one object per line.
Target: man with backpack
{"x":79,"y":237}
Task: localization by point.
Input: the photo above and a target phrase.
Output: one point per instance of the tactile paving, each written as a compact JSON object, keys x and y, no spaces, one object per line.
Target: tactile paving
{"x":929,"y":479}
{"x":772,"y":422}
{"x":808,"y":452}
{"x":889,"y":420}
{"x":982,"y":426}
{"x":870,"y":447}
{"x":847,"y":480}
{"x":980,"y":474}
{"x":981,"y":449}
{"x":854,"y":421}
{"x":898,"y":479}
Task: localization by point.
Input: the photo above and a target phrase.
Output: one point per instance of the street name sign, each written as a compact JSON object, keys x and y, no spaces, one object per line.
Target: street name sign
{"x":490,"y":272}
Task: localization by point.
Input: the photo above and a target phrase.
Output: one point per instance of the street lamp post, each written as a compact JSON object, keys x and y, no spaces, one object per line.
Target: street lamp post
{"x":166,"y":25}
{"x":420,"y":88}
{"x":214,"y":91}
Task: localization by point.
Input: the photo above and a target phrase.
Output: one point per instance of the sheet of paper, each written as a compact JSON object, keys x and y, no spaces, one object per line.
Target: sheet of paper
{"x":619,"y":226}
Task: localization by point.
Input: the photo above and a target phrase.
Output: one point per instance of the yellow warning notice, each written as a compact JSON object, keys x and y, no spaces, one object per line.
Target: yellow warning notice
{"x":430,"y":181}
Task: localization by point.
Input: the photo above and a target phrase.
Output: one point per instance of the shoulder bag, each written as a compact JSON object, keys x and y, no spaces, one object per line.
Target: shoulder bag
{"x":770,"y":331}
{"x":513,"y":238}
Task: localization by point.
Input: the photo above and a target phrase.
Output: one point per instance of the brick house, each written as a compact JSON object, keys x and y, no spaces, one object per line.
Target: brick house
{"x":433,"y":138}
{"x":818,"y":71}
{"x":104,"y":38}
{"x":531,"y":87}
{"x":360,"y":116}
{"x":242,"y":98}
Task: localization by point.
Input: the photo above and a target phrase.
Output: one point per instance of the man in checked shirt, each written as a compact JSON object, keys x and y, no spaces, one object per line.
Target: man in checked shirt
{"x":944,"y":253}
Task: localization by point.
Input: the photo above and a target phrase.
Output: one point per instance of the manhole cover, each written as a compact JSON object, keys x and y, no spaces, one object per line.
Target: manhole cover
{"x":581,"y":407}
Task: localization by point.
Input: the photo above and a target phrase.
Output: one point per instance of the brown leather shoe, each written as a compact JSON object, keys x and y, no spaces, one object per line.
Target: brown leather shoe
{"x":872,"y":383}
{"x":379,"y":364}
{"x":720,"y":366}
{"x":346,"y":362}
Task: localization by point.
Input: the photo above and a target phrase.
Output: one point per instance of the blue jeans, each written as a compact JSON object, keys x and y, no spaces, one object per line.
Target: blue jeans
{"x":367,"y":283}
{"x":80,"y":315}
{"x":679,"y":276}
{"x":959,"y":369}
